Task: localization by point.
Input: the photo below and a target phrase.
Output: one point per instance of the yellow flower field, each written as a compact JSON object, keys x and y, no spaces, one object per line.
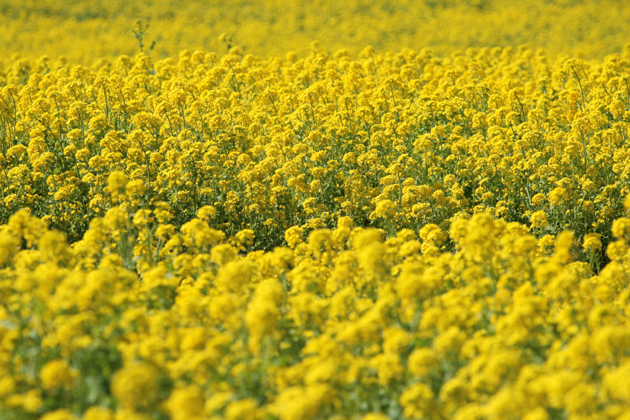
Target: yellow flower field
{"x":307,"y":233}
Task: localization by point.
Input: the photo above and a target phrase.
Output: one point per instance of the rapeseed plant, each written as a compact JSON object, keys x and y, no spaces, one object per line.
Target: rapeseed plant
{"x":400,"y":235}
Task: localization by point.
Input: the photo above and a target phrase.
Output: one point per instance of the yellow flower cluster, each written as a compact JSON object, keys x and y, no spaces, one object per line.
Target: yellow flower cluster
{"x":346,"y":324}
{"x":91,"y":32}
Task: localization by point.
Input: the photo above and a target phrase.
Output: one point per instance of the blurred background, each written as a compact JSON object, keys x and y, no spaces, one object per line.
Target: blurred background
{"x":87,"y":30}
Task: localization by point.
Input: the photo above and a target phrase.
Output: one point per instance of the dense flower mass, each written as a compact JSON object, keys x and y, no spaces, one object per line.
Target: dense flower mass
{"x":394,"y":141}
{"x":399,"y":235}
